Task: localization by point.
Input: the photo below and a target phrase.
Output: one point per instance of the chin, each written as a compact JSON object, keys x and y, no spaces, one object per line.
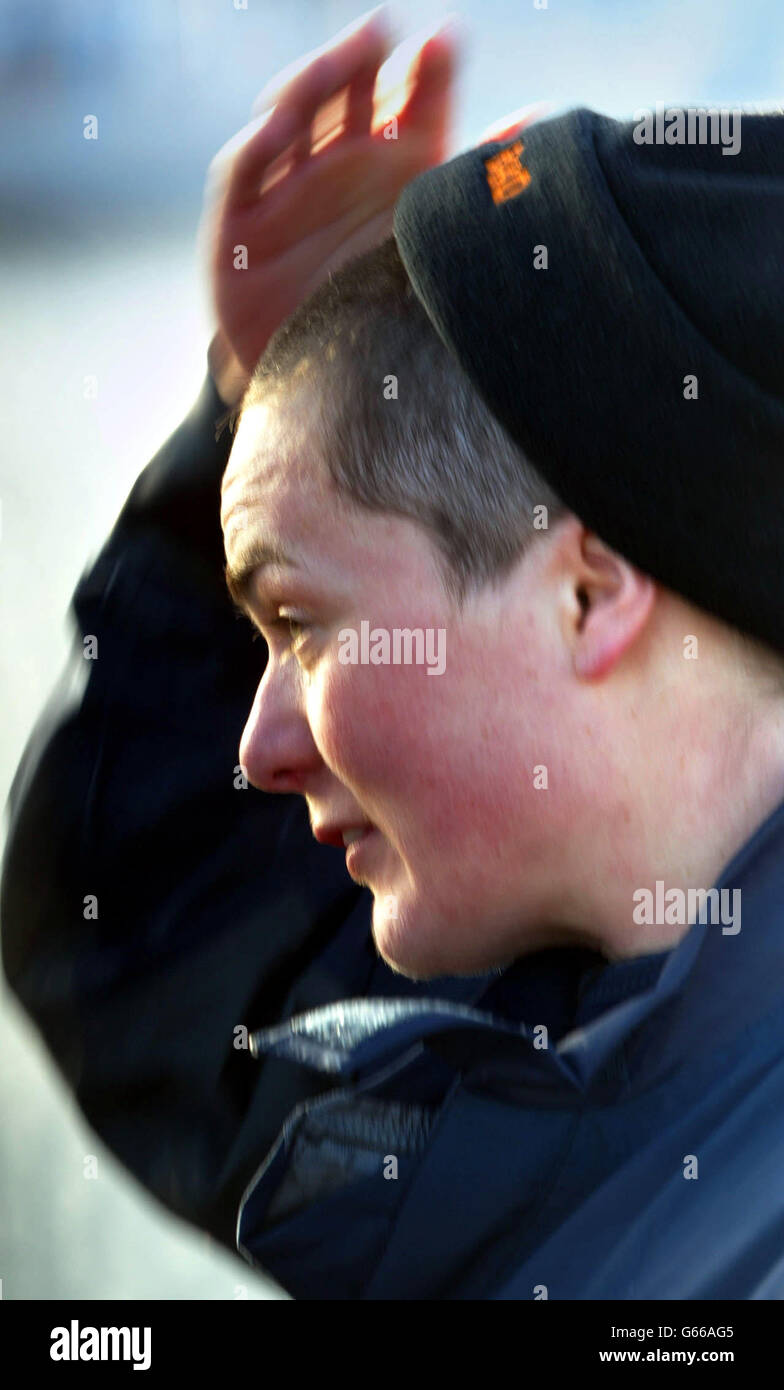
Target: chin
{"x":417,"y":946}
{"x":400,"y":945}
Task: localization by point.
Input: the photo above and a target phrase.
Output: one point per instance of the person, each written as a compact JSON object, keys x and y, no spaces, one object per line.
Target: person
{"x":538,"y":1029}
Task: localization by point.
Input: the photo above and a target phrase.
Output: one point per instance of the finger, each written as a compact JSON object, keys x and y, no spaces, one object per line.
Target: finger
{"x":292,"y":117}
{"x":354,"y":36}
{"x":359,"y":112}
{"x":221,"y":164}
{"x":432,"y":69}
{"x":300,"y":150}
{"x":264,"y":100}
{"x":281,"y":128}
{"x":358,"y":117}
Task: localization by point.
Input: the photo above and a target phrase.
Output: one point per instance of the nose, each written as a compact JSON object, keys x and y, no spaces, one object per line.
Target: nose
{"x":277,"y":749}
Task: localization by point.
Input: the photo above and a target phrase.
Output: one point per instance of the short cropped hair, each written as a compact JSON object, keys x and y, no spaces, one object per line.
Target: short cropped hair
{"x":402,"y":429}
{"x":400,"y":425}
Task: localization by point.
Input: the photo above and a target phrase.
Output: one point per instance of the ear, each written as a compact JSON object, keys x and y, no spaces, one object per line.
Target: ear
{"x":616,"y":601}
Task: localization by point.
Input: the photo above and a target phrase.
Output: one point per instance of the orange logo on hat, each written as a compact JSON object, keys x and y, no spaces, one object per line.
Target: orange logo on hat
{"x":506,"y":176}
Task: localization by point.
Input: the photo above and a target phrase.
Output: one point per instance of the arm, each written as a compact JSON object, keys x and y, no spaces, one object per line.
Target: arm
{"x":150,"y":905}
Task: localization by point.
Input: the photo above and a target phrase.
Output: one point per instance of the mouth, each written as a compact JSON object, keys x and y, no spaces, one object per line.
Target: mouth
{"x":342,"y":836}
{"x":352,"y":838}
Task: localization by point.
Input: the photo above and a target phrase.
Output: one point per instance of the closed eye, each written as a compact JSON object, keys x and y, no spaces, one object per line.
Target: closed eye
{"x":291,"y":628}
{"x":295,"y":627}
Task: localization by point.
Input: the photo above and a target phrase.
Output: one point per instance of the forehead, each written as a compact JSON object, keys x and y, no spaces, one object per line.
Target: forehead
{"x":277,"y":497}
{"x":274,"y":462}
{"x":274,"y":487}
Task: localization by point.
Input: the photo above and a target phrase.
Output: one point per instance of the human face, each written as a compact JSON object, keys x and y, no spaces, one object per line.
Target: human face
{"x":439,"y":766}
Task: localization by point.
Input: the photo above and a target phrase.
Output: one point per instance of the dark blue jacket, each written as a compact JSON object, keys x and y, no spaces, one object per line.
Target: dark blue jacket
{"x":565,"y":1128}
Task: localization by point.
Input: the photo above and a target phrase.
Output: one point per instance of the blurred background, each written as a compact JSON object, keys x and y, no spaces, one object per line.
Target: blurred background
{"x":100,"y":276}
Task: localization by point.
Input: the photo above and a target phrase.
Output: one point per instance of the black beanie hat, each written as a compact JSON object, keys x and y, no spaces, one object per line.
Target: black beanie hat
{"x":620,"y":307}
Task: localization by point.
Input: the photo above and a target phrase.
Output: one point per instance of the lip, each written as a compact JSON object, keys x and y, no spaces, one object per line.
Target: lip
{"x":333,"y":834}
{"x":355,"y":851}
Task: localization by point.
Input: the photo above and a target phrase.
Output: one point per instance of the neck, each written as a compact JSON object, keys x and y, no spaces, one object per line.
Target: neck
{"x":721,"y":781}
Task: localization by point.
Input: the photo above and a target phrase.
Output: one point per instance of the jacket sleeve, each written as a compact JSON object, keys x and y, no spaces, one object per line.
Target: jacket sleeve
{"x":152,"y":907}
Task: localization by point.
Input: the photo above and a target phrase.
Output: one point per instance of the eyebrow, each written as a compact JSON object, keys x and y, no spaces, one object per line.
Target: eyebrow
{"x":255,"y":555}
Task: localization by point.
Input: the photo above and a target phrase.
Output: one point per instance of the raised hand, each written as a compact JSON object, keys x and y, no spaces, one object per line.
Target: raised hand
{"x":313,"y":179}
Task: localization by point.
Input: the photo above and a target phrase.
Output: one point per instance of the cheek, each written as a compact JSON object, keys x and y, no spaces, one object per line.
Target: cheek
{"x":370,"y":722}
{"x":418,"y":748}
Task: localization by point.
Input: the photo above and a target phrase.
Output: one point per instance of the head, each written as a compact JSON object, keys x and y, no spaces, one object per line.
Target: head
{"x":512,"y":762}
